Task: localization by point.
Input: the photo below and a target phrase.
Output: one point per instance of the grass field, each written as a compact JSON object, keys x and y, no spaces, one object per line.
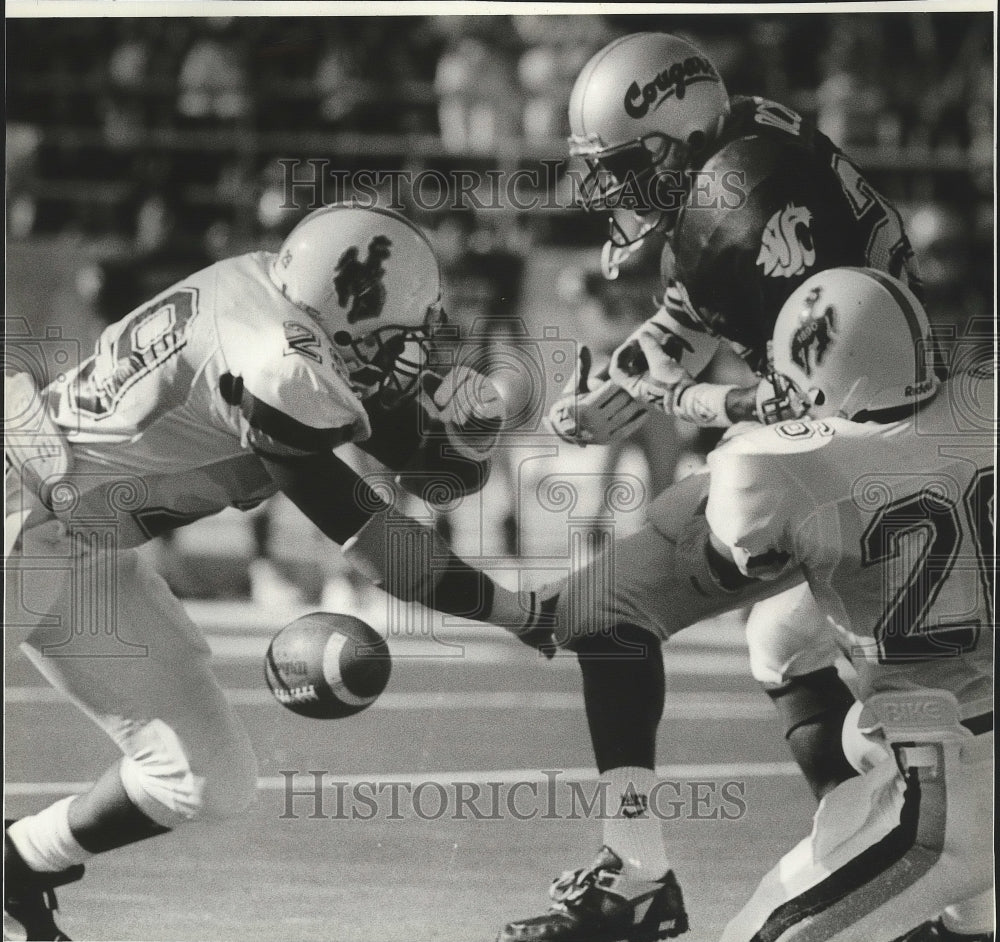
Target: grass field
{"x":489,"y":712}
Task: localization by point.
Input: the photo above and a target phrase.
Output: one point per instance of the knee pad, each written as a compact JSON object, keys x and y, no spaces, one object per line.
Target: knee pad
{"x":158,"y":777}
{"x":807,"y":698}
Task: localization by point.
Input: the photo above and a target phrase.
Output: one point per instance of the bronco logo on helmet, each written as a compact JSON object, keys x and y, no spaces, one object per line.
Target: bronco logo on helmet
{"x":815,"y":335}
{"x":363,"y":281}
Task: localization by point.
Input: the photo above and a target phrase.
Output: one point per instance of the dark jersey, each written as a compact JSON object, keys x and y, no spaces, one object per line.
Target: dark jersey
{"x":775,"y":202}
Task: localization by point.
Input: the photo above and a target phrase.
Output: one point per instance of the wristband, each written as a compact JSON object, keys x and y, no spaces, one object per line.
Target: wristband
{"x":703,"y":404}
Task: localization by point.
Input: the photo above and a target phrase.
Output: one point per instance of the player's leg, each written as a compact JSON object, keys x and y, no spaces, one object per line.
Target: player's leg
{"x":613,"y":614}
{"x":889,"y":852}
{"x":792,"y":654}
{"x":630,"y":883}
{"x":186,"y":754}
{"x":617,"y":612}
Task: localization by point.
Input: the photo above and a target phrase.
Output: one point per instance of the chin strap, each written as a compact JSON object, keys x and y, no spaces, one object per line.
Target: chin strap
{"x":614,"y":255}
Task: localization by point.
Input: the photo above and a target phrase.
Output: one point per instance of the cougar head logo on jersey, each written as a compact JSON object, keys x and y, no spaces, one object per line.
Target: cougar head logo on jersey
{"x":814,"y":337}
{"x":786,"y":247}
{"x":362,"y":282}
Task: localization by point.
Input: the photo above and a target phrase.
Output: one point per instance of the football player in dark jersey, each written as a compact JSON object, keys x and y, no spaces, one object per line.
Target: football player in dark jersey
{"x":752,"y":200}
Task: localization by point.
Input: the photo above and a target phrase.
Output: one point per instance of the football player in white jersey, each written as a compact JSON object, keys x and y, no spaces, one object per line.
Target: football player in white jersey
{"x":884,"y":496}
{"x":233,"y":384}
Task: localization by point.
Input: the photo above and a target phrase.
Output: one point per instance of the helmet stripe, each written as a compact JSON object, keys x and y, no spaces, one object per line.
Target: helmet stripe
{"x":913,"y":321}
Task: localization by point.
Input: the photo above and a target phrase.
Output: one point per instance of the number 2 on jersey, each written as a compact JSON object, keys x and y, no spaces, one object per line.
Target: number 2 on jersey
{"x":887,"y":248}
{"x":902,"y":634}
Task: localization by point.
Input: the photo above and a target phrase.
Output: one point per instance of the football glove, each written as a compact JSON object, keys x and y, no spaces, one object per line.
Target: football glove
{"x":647,"y":366}
{"x":469,"y":407}
{"x":529,"y":615}
{"x":593,"y":411}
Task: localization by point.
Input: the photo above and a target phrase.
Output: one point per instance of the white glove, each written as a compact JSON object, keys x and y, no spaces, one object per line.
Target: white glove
{"x":593,"y":411}
{"x":469,"y":406}
{"x":643,"y":368}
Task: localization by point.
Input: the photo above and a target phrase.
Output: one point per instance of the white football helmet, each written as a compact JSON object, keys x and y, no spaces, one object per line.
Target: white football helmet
{"x":371,"y":280}
{"x":856,"y":343}
{"x":641,"y":105}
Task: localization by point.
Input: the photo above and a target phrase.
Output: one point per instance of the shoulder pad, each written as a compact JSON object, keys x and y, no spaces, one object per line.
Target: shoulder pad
{"x":292,"y":390}
{"x":786,"y":438}
{"x":751,"y":498}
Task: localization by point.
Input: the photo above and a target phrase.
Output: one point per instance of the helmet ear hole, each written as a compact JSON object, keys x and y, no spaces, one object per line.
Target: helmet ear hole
{"x":818,"y":397}
{"x":342,"y":338}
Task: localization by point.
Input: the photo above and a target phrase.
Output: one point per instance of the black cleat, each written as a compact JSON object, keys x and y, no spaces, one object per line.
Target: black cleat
{"x":593,"y":905}
{"x":29,"y":898}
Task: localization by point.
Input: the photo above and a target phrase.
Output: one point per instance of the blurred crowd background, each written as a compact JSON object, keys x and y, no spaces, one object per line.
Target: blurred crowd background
{"x":139,"y":150}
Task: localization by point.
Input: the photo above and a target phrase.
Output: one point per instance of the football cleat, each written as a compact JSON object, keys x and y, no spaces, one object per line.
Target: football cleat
{"x":29,"y":898}
{"x":593,"y":905}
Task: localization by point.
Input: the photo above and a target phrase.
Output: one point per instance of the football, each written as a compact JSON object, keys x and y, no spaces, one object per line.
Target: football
{"x":327,"y":666}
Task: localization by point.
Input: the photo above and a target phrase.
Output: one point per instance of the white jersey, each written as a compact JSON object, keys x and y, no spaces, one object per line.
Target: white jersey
{"x":893,"y":525}
{"x":180,"y":391}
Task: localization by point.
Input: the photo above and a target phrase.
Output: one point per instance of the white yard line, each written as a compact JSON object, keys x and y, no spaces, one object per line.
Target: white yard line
{"x":253,"y":647}
{"x":684,"y":705}
{"x":300,"y":782}
{"x":726,"y":631}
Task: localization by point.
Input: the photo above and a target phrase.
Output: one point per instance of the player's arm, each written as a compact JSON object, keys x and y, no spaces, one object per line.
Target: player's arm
{"x":444,"y":437}
{"x":659,"y":362}
{"x":612,"y":404}
{"x":648,"y":369}
{"x":747,"y":514}
{"x":406,"y":558}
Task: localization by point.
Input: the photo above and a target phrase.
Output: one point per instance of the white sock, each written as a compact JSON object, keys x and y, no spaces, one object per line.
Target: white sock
{"x":45,"y":841}
{"x":631,"y":831}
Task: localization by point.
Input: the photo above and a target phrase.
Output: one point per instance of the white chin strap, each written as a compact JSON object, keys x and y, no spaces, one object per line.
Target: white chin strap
{"x":614,"y":256}
{"x":848,"y":408}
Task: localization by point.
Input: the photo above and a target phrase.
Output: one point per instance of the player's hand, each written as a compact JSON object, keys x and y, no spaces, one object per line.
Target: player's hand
{"x":469,"y":406}
{"x":592,"y":411}
{"x":536,"y":621}
{"x":646,"y":371}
